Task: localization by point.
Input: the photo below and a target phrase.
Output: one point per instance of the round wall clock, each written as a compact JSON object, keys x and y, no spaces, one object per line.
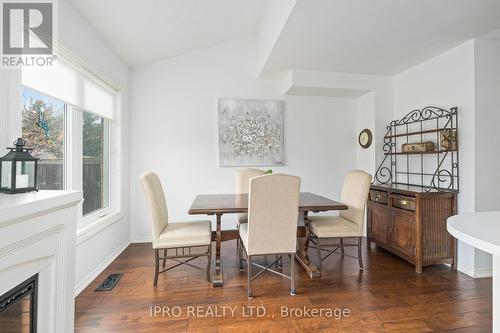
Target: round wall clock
{"x":365,"y":138}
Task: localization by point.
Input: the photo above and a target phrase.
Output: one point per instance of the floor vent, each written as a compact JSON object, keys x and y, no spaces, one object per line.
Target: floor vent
{"x":110,"y":282}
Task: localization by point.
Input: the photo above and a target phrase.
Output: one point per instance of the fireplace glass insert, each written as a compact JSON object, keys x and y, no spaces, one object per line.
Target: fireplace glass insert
{"x":18,"y":308}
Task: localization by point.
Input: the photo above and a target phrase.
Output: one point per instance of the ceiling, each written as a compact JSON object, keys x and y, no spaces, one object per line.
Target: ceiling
{"x":495,"y":34}
{"x":353,"y":36}
{"x":376,"y":37}
{"x":149,"y":30}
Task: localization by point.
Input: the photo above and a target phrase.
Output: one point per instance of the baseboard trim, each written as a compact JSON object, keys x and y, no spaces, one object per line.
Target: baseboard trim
{"x":141,"y":240}
{"x":476,"y":273}
{"x":99,"y":269}
{"x":483,"y":272}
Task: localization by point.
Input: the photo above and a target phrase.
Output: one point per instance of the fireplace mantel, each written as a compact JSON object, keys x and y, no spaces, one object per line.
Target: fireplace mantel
{"x":37,"y":236}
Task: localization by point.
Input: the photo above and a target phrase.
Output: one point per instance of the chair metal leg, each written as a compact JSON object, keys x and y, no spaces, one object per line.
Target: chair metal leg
{"x":164,"y":260}
{"x":240,"y":255}
{"x":209,"y":262}
{"x":249,"y":276}
{"x":318,"y":250}
{"x":238,"y":245}
{"x":292,"y":275}
{"x":157,"y":267}
{"x":279,"y":261}
{"x":342,"y":245}
{"x":360,"y":239}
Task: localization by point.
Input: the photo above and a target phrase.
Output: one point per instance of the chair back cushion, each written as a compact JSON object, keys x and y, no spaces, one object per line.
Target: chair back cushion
{"x":157,"y":205}
{"x":273,"y":210}
{"x":243,"y":178}
{"x":355,"y":194}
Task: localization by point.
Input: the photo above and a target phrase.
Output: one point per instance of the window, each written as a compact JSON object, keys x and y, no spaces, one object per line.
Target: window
{"x":44,"y":127}
{"x":68,"y":109}
{"x":95,"y":168}
{"x":43,"y":130}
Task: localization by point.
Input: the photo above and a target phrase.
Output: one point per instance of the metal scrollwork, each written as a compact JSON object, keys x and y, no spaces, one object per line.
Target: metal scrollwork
{"x":427,"y":113}
{"x":442,"y":178}
{"x":383,"y":175}
{"x":388,"y":144}
{"x":442,"y":181}
{"x":437,"y":121}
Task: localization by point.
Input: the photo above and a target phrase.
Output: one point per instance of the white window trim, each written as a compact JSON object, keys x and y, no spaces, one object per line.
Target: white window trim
{"x":10,"y":104}
{"x":95,"y":222}
{"x":107,"y":150}
{"x":73,"y":154}
{"x":101,"y":218}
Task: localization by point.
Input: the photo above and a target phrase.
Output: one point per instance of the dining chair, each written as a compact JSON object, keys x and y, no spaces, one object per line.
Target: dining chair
{"x":349,"y":223}
{"x":242,"y":180}
{"x":273,"y":209}
{"x":182,"y":237}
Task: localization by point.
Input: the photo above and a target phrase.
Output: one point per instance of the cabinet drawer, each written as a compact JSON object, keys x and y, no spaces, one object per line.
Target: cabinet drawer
{"x":379,"y":196}
{"x":403,"y":202}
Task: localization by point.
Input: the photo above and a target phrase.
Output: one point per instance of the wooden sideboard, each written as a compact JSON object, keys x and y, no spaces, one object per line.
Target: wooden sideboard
{"x":411,"y":223}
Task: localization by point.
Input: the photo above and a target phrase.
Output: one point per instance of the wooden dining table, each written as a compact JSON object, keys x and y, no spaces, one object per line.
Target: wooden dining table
{"x":220,"y":204}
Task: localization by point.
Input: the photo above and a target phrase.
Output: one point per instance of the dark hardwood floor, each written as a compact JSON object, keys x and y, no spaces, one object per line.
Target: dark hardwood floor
{"x":388,"y":296}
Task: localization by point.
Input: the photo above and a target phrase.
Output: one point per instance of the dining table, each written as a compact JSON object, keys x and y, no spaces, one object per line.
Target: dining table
{"x":220,"y":204}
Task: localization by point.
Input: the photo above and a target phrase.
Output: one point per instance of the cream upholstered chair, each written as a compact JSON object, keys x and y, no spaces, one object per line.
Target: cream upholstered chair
{"x":242,"y":180}
{"x":349,"y":223}
{"x":273,"y":209}
{"x":181,"y":237}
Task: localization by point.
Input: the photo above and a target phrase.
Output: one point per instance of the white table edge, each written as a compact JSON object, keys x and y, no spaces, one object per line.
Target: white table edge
{"x":494,"y":249}
{"x":473,"y":241}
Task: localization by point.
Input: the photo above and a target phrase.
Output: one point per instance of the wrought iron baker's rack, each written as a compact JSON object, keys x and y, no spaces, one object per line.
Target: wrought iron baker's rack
{"x":436,"y":170}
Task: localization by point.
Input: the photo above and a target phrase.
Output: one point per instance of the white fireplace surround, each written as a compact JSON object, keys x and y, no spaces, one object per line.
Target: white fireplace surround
{"x":37,"y":235}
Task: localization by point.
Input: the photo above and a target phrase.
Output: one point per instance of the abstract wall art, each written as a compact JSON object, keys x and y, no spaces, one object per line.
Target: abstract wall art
{"x":251,"y":132}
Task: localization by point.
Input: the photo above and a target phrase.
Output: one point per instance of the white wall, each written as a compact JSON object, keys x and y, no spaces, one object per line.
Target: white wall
{"x":487,"y":140}
{"x":175,"y":131}
{"x":487,"y":89}
{"x":447,"y":80}
{"x":355,"y":86}
{"x":365,"y":118}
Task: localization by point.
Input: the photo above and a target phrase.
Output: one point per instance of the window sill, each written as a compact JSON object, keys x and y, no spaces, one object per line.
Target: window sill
{"x":92,"y":225}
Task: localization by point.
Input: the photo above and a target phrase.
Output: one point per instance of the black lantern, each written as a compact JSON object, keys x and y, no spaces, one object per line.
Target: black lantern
{"x":18,"y":170}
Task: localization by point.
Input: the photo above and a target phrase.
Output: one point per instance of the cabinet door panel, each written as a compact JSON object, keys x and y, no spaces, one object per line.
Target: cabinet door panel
{"x":379,"y":225}
{"x":403,"y":233}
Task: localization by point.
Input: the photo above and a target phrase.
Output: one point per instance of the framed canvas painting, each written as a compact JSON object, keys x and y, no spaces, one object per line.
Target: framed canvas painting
{"x":251,"y":132}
